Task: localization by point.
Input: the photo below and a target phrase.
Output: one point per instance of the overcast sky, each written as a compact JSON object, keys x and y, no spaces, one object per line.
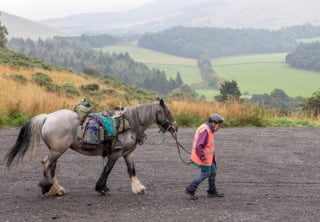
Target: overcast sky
{"x":44,"y":9}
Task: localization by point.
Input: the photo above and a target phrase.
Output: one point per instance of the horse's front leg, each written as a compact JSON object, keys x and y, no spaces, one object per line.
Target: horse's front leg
{"x":136,"y":186}
{"x":53,"y":186}
{"x":101,"y":185}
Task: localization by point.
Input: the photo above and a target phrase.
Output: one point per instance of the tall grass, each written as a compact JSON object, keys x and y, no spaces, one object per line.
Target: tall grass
{"x":21,"y":100}
{"x":236,"y":114}
{"x":30,"y":99}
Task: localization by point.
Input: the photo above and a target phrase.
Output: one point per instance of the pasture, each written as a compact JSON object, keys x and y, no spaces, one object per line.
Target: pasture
{"x":255,"y":74}
{"x":258,"y":74}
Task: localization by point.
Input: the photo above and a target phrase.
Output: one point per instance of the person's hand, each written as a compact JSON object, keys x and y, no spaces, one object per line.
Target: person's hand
{"x":215,"y":164}
{"x":205,"y":161}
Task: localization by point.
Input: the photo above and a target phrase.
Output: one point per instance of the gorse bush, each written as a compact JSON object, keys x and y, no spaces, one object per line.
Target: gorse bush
{"x":45,"y":81}
{"x":69,"y":89}
{"x":19,"y":78}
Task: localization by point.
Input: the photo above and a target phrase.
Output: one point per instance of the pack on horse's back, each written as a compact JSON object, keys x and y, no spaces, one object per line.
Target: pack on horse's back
{"x":102,"y":128}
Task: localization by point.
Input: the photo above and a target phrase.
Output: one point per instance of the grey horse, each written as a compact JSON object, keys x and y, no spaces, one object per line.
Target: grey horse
{"x":58,"y":130}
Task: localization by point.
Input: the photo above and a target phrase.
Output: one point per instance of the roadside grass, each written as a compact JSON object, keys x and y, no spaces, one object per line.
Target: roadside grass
{"x":291,"y":122}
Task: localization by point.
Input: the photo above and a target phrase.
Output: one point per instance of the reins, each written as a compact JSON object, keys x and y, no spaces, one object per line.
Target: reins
{"x":174,"y":135}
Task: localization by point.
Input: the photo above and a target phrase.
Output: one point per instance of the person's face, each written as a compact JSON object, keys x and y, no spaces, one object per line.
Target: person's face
{"x":216,"y":126}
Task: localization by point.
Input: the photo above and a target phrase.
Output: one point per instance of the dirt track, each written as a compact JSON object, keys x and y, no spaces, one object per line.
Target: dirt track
{"x":267,"y":174}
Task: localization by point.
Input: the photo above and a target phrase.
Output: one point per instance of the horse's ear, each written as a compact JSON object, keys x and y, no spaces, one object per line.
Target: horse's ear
{"x":161,"y":102}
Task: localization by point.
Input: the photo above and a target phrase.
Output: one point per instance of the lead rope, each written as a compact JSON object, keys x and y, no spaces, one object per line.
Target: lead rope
{"x":174,"y":135}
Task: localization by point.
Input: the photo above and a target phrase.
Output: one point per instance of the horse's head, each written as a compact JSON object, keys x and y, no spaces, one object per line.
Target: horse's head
{"x":164,"y":118}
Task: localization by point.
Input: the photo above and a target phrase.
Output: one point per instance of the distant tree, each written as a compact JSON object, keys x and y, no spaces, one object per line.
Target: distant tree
{"x":179,"y":80}
{"x":229,"y":90}
{"x":279,"y":99}
{"x":263,"y":99}
{"x":305,"y":56}
{"x":184,"y":91}
{"x":311,"y":106}
{"x":3,"y":34}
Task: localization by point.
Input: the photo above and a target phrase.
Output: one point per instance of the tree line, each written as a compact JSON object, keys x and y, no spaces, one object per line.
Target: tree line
{"x":80,"y":57}
{"x":305,"y":56}
{"x":215,"y":42}
{"x":207,"y":73}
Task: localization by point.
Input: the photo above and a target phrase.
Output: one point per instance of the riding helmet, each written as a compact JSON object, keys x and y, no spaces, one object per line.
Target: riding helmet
{"x":216,"y":118}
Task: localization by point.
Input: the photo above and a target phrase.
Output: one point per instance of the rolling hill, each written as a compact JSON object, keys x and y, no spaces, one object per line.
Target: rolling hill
{"x":23,"y":28}
{"x":163,"y":14}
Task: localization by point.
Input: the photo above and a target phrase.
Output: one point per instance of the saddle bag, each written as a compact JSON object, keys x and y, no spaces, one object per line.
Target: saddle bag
{"x":91,"y":132}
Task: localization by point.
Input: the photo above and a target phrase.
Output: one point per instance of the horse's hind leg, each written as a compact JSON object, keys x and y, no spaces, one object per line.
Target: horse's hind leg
{"x":45,"y":183}
{"x":136,"y":186}
{"x":53,"y":186}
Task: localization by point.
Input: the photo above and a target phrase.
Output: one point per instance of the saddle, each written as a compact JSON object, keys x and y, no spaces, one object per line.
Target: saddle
{"x":102,"y":127}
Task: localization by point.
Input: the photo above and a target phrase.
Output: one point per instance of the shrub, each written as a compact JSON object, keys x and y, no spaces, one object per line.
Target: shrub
{"x":19,"y":78}
{"x":90,"y":87}
{"x":45,"y":81}
{"x":311,"y":107}
{"x":70,"y":90}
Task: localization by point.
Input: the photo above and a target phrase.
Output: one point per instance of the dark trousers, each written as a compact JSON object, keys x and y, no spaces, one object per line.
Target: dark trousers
{"x":192,"y":187}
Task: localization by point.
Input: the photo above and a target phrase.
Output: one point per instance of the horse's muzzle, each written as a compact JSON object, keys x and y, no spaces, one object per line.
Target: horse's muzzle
{"x":173,"y":128}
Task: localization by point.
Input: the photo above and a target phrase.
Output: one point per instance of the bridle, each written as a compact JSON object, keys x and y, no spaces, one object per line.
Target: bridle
{"x":171,"y":126}
{"x":166,"y":125}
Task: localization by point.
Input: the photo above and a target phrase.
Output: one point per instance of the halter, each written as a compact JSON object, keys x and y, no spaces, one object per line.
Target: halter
{"x":166,"y":124}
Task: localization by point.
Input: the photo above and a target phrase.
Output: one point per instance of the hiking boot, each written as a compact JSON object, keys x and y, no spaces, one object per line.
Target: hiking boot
{"x":215,"y":194}
{"x":191,"y":195}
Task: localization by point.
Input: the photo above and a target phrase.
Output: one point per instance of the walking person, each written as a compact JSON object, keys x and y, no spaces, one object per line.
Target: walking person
{"x":203,"y":157}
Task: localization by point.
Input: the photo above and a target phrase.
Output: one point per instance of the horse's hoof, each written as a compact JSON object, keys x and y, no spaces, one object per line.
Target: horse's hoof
{"x":56,"y":192}
{"x":45,"y":186}
{"x":102,"y":190}
{"x":61,"y":193}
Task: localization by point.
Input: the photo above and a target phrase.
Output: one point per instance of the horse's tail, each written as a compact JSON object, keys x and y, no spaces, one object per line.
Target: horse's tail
{"x":28,"y":139}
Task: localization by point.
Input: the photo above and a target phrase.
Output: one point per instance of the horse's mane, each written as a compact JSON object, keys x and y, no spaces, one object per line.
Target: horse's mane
{"x":145,"y":112}
{"x":141,"y":117}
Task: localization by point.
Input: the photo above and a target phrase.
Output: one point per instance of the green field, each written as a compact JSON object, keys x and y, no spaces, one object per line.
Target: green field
{"x":149,"y":56}
{"x":255,"y":74}
{"x":170,"y":64}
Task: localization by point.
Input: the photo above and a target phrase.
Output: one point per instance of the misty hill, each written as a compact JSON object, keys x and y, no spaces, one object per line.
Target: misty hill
{"x":19,"y":27}
{"x":163,"y":14}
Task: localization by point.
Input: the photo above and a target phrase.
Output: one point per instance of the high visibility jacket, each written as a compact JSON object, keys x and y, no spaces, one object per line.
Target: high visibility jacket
{"x":208,"y":149}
